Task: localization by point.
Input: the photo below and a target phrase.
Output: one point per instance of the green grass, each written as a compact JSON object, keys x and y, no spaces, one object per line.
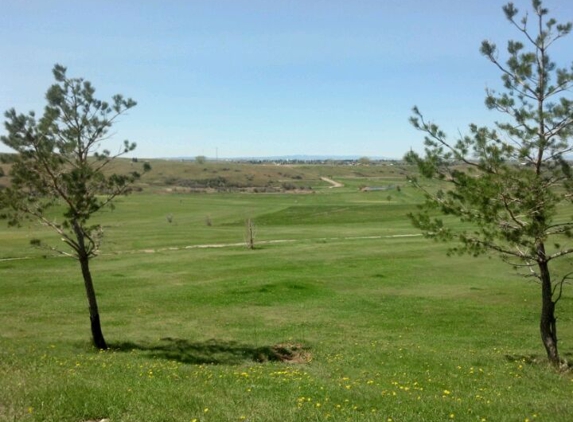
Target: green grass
{"x":392,"y":328}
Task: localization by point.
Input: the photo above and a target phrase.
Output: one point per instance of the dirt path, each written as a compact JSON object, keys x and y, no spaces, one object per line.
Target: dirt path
{"x":227,"y":245}
{"x":334,"y":183}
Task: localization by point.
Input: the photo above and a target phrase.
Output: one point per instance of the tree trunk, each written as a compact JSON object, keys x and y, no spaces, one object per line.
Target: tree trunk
{"x":83,"y":257}
{"x":97,"y":335}
{"x":548,"y":323}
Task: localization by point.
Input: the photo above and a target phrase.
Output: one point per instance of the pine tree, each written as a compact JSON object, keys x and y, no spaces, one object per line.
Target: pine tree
{"x":512,"y":184}
{"x":58,"y":163}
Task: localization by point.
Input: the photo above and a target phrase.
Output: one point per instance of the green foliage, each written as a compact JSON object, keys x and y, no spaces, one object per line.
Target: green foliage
{"x":509,"y":183}
{"x":58,"y":161}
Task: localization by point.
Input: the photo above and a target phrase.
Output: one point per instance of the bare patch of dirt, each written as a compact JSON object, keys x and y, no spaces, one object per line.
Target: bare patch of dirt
{"x":334,"y":183}
{"x":295,"y":353}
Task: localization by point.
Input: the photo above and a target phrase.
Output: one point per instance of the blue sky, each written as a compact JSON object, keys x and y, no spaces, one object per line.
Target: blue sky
{"x":259,"y":78}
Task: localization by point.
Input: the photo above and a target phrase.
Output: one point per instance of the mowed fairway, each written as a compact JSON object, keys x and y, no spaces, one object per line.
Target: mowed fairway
{"x":384,"y":326}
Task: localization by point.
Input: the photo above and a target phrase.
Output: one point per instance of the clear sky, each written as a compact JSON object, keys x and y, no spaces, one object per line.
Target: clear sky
{"x":265,"y":77}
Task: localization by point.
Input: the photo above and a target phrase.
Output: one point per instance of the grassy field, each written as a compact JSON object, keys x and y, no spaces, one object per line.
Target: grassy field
{"x":378,"y":323}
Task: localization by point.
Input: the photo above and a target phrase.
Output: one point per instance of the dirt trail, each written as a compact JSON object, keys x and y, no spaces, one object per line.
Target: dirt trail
{"x":228,"y":245}
{"x":334,"y":183}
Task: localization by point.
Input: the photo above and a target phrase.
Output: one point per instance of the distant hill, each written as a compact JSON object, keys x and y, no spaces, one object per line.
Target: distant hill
{"x":292,"y":158}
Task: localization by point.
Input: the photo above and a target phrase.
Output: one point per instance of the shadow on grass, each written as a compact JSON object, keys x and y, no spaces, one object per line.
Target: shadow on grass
{"x":215,"y":352}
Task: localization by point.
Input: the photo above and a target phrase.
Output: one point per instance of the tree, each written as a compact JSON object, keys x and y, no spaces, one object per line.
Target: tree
{"x":58,"y":163}
{"x":200,"y":159}
{"x":250,"y":233}
{"x":509,"y":183}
